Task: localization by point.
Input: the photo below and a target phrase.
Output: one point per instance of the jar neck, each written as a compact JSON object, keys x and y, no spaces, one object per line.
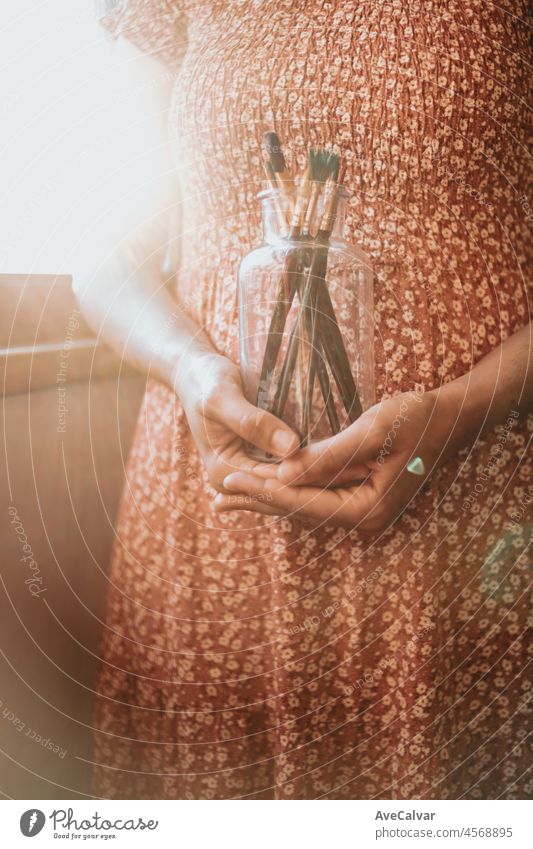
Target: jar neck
{"x":277,"y":213}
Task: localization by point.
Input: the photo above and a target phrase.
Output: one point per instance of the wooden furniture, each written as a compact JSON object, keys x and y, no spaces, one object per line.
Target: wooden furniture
{"x":68,"y":413}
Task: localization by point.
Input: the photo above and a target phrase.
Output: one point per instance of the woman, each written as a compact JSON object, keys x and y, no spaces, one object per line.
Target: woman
{"x":286,"y":635}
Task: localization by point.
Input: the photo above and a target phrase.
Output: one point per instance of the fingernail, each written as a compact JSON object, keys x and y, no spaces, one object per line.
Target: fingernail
{"x":231,"y":481}
{"x":282,"y":442}
{"x":219,"y":503}
{"x":290,"y":470}
{"x":264,"y":470}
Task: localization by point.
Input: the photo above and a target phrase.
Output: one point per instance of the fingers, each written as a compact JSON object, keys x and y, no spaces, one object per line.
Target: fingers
{"x":341,"y":507}
{"x":340,"y":458}
{"x":370,"y":507}
{"x":254,"y":425}
{"x":351,"y":474}
{"x":265,"y":470}
{"x":219,"y":466}
{"x":244,"y":501}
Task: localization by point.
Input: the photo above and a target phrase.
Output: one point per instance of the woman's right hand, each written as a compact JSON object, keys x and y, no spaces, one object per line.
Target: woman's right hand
{"x":222,"y":421}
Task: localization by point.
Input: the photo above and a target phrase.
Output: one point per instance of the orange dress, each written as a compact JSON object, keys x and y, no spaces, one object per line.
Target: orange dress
{"x":245,"y":656}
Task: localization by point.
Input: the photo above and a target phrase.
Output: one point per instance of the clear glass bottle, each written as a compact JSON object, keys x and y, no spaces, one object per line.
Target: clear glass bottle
{"x":306,"y":322}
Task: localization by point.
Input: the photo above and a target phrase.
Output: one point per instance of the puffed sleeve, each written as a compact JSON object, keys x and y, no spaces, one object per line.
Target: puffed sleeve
{"x":157,"y":27}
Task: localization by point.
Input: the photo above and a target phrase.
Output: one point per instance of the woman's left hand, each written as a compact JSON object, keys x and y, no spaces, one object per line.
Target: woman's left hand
{"x":358,"y":478}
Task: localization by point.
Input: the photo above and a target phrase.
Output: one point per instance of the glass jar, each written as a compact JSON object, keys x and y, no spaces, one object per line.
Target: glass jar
{"x":306,"y":323}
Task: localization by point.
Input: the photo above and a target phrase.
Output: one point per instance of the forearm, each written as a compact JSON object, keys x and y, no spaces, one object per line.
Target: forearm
{"x":500,"y":384}
{"x":129,"y":308}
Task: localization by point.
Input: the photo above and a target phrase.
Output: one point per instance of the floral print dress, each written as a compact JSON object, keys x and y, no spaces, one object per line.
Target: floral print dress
{"x":249,"y":657}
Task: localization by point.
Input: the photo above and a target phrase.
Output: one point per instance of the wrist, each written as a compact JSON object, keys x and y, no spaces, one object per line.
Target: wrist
{"x":459,"y":414}
{"x":190,"y":369}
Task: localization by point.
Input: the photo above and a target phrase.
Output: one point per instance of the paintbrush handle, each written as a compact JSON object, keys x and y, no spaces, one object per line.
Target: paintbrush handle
{"x":309,"y":306}
{"x":336,"y":355}
{"x":317,"y":364}
{"x":316,"y":310}
{"x":287,"y":371}
{"x":287,"y":288}
{"x":333,"y":342}
{"x":282,"y":391}
{"x":325,"y":388}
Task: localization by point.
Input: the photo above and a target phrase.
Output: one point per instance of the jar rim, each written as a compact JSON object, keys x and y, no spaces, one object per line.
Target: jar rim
{"x":265,"y":194}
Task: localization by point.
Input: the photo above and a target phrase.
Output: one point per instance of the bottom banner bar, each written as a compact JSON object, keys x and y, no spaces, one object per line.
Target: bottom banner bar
{"x":264,"y":825}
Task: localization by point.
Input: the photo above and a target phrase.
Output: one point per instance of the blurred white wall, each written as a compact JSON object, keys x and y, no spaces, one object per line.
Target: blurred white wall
{"x":53,"y":62}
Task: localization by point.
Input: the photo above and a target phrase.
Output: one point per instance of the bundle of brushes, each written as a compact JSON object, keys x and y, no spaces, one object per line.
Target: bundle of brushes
{"x":315,"y":355}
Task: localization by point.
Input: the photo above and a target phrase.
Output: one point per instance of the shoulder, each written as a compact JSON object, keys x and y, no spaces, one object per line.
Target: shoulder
{"x":157,"y":27}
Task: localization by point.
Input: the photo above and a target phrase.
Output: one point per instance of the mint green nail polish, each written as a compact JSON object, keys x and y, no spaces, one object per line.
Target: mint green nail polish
{"x":416,"y":466}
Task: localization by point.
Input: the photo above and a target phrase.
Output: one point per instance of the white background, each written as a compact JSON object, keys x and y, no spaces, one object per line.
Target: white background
{"x":53,"y":59}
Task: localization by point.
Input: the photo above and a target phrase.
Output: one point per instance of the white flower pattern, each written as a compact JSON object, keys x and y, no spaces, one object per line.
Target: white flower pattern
{"x":250,"y":657}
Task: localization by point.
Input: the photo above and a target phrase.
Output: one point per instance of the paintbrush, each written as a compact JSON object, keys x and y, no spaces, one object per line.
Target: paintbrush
{"x":279,"y":177}
{"x":324,"y":166}
{"x":321,"y":166}
{"x":315,"y":331}
{"x":274,"y":152}
{"x":329,"y":327}
{"x":315,"y":300}
{"x":280,"y":212}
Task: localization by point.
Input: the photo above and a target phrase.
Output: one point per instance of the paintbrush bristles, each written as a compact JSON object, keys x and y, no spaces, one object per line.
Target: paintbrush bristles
{"x":274,"y":152}
{"x":322,"y":165}
{"x":271,"y":174}
{"x":319,"y":163}
{"x":334,"y":166}
{"x":323,"y":170}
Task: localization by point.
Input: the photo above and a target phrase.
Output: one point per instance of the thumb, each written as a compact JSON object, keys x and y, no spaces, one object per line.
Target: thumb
{"x":257,"y":426}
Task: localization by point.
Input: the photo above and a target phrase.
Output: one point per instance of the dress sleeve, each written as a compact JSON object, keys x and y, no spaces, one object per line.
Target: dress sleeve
{"x":157,"y":27}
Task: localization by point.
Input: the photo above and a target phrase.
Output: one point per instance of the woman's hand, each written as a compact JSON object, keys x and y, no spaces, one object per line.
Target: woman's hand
{"x":357,"y":478}
{"x":222,"y":420}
